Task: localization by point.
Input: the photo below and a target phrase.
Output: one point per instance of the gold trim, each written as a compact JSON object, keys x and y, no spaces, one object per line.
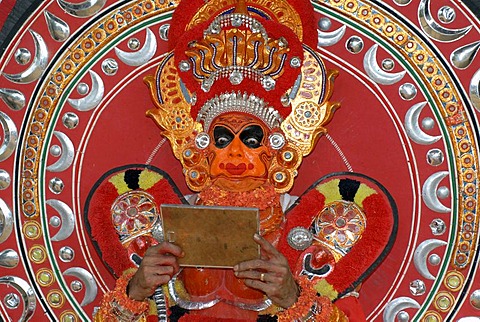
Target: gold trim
{"x":283,"y":12}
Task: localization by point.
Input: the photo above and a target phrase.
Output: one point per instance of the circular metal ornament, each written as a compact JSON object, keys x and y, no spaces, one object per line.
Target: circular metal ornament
{"x":202,"y":140}
{"x":82,"y":88}
{"x":324,"y":24}
{"x":268,"y":83}
{"x":443,"y":192}
{"x":403,"y":316}
{"x":55,"y":221}
{"x":354,"y":44}
{"x":4,"y":179}
{"x":402,"y":2}
{"x":70,"y":120}
{"x":12,"y":301}
{"x":388,"y":64}
{"x":23,"y":56}
{"x":184,"y":66}
{"x":299,"y":238}
{"x":236,"y":77}
{"x":435,"y":157}
{"x":66,"y":254}
{"x":110,"y":66}
{"x":417,"y":287}
{"x":277,"y":141}
{"x":56,"y":185}
{"x":295,"y":62}
{"x":475,"y":299}
{"x":76,"y":286}
{"x":446,"y":14}
{"x":438,"y":227}
{"x":55,"y":150}
{"x":133,"y":43}
{"x":428,"y":123}
{"x":434,"y":259}
{"x":408,"y":91}
{"x":163,"y":31}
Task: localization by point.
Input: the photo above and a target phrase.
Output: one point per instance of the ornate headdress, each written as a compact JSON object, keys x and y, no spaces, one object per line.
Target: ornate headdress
{"x":248,"y":56}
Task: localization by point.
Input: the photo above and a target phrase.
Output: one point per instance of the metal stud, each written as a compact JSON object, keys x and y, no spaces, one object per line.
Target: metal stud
{"x":417,"y":287}
{"x":324,"y":24}
{"x":202,"y":140}
{"x":56,"y":185}
{"x":354,"y":44}
{"x":446,"y":14}
{"x":295,"y":62}
{"x":438,"y":227}
{"x":435,"y":157}
{"x":110,"y":66}
{"x":184,"y":66}
{"x":66,"y":254}
{"x":4,"y":179}
{"x":299,"y":238}
{"x":70,"y":120}
{"x":12,"y":301}
{"x":133,"y":43}
{"x":277,"y":141}
{"x":82,"y":88}
{"x":163,"y":30}
{"x":407,"y":91}
{"x":23,"y":56}
{"x":55,"y":150}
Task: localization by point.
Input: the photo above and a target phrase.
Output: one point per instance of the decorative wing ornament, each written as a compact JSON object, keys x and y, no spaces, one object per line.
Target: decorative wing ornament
{"x":72,"y":111}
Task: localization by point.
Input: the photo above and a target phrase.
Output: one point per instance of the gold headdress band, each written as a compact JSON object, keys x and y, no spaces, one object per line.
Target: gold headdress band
{"x":240,"y":52}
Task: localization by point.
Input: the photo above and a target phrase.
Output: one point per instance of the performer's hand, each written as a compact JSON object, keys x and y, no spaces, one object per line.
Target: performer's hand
{"x":270,"y":274}
{"x":158,"y":266}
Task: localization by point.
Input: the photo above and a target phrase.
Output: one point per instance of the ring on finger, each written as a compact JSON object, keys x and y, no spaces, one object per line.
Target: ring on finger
{"x":262,"y":277}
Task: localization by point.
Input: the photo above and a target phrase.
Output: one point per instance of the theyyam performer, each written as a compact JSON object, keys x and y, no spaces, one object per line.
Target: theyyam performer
{"x":243,"y":97}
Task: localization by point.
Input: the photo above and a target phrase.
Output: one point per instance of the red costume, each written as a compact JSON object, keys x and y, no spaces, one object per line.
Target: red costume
{"x":242,"y":98}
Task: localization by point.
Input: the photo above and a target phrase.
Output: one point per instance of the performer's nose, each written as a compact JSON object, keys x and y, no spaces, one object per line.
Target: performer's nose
{"x":236,"y":148}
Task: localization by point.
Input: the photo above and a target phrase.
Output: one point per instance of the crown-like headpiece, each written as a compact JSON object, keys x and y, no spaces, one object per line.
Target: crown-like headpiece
{"x":240,"y":103}
{"x":242,"y":57}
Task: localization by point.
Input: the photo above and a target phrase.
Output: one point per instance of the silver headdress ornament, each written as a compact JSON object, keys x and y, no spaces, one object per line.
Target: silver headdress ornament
{"x":238,"y":102}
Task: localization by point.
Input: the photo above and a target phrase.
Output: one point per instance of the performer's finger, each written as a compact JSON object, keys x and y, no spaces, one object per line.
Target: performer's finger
{"x":253,"y":275}
{"x":266,"y":247}
{"x":157,"y":280}
{"x":165,"y":270}
{"x":169,"y":248}
{"x":256,"y":264}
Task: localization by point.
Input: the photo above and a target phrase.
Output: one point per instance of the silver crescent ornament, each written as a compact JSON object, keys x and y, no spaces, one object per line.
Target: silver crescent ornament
{"x":429,"y":192}
{"x":412,"y":126}
{"x":68,"y":219}
{"x":433,"y":29}
{"x":38,"y":65}
{"x":394,"y":307}
{"x":421,"y":255}
{"x":67,"y":153}
{"x":326,"y":39}
{"x":141,"y":56}
{"x":82,"y":9}
{"x":93,"y":98}
{"x":26,"y":292}
{"x":375,"y":72}
{"x":474,"y":90}
{"x":10,"y":136}
{"x":86,"y":277}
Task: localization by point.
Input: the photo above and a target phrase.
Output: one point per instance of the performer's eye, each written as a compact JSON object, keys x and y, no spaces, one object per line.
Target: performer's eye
{"x":222,"y":136}
{"x":252,"y":136}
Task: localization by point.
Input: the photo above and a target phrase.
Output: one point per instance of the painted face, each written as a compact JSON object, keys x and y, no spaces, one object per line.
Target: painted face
{"x":239,"y":157}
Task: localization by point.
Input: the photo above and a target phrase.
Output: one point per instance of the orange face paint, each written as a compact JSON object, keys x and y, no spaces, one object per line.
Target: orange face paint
{"x":239,"y":154}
